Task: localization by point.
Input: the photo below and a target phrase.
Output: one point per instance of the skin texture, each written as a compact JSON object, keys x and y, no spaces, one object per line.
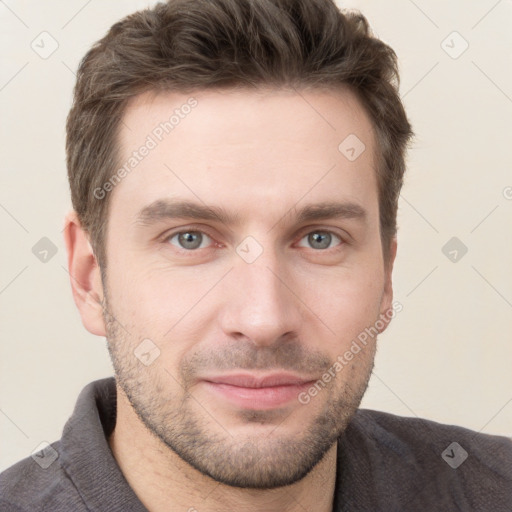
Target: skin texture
{"x":207,"y":311}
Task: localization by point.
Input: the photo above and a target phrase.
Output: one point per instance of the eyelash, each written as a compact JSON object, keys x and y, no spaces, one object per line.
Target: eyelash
{"x":193,"y":229}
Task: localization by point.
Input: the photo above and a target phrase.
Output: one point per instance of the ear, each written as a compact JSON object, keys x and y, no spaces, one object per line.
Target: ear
{"x":387,"y":295}
{"x":85,"y":275}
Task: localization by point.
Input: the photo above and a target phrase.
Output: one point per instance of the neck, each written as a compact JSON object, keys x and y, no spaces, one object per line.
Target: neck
{"x":163,"y":481}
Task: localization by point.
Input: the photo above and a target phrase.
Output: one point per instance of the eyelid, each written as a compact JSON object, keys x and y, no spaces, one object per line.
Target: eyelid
{"x":309,"y":230}
{"x":186,"y":229}
{"x":344,"y":238}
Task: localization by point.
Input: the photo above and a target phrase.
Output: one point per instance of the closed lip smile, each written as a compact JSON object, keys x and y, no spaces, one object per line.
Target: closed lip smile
{"x":257,"y":391}
{"x":248,"y":380}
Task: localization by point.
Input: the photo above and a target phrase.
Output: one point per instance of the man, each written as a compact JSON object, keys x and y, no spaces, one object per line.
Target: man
{"x":235,"y":167}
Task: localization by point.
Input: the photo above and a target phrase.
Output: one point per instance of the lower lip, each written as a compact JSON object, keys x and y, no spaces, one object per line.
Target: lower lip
{"x":258,"y":398}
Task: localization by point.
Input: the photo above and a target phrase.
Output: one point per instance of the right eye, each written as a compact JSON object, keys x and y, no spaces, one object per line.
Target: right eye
{"x":189,"y":240}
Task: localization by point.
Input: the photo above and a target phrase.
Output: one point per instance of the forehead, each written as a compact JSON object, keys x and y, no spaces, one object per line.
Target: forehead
{"x":232,"y":116}
{"x":269,"y":148}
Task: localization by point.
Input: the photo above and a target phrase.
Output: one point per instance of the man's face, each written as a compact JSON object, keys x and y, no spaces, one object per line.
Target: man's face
{"x":239,"y":317}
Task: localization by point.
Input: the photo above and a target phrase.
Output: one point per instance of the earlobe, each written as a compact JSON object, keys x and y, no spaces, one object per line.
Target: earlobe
{"x":387,"y":296}
{"x":85,"y":275}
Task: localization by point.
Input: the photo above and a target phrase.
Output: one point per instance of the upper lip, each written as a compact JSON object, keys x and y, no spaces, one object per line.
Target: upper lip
{"x":249,"y":380}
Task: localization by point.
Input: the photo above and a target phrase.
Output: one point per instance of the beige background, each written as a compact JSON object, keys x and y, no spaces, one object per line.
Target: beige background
{"x":447,"y":356}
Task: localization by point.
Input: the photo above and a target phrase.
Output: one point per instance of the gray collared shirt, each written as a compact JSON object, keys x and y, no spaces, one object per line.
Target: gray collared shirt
{"x":385,"y":463}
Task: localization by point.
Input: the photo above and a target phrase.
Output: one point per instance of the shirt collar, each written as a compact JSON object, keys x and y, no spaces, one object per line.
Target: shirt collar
{"x":86,"y":455}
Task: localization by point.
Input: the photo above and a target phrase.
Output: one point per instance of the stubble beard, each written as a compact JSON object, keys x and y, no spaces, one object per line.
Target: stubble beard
{"x":183,"y":425}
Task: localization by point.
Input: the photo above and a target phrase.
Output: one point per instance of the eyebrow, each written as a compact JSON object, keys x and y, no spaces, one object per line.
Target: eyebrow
{"x":165,"y":209}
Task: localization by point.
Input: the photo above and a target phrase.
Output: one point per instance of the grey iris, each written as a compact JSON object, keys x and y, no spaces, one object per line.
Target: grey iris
{"x":190,"y":239}
{"x":321,"y":238}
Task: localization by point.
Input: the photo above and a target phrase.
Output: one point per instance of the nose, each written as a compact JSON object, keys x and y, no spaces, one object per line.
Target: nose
{"x":261,"y":303}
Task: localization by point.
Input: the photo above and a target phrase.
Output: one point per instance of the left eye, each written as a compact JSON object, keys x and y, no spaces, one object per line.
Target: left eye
{"x":321,"y":239}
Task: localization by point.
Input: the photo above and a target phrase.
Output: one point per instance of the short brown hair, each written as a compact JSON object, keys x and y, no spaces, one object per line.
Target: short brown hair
{"x":186,"y":45}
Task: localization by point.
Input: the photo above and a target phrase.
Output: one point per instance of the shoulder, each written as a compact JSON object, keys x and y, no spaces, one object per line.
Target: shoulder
{"x":426,"y":461}
{"x":38,"y":483}
{"x":418,"y":434}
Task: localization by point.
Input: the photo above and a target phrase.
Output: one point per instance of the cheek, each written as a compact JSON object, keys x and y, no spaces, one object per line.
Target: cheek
{"x":161,"y":304}
{"x":347,"y":302}
{"x":139,"y":286}
{"x":164,"y":302}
